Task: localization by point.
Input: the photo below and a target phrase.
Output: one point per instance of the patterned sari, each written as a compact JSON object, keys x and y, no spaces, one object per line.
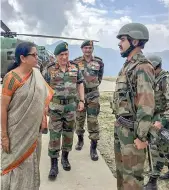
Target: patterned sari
{"x":30,"y":97}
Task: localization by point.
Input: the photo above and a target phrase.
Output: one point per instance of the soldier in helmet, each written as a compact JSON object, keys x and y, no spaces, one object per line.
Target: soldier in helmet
{"x":92,"y":68}
{"x":133,"y":105}
{"x":160,"y":119}
{"x":66,"y":79}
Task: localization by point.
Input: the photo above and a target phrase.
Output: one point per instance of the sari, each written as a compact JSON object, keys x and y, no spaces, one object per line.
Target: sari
{"x":20,"y":168}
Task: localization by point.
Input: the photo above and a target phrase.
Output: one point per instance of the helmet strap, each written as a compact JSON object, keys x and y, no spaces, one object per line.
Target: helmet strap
{"x":129,"y":50}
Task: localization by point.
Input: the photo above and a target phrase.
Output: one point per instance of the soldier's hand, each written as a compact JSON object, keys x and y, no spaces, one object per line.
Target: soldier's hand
{"x":158,"y":125}
{"x":80,"y":106}
{"x":139,"y":144}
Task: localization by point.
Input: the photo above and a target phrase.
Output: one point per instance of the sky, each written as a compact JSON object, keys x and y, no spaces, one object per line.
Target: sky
{"x":90,"y":19}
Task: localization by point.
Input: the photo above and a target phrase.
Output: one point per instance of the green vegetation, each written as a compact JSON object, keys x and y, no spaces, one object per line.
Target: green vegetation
{"x":106,"y":143}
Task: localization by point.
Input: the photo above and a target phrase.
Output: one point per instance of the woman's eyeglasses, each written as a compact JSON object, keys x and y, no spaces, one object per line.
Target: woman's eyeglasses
{"x":33,"y":54}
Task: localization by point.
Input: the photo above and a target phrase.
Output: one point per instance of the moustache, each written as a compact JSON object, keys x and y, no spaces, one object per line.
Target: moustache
{"x":120,"y":47}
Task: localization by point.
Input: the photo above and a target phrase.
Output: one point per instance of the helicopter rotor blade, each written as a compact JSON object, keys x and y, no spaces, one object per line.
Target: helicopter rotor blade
{"x":46,"y":36}
{"x":4,"y":27}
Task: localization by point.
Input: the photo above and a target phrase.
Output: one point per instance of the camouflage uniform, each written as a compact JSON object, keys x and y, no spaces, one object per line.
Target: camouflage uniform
{"x":62,"y":109}
{"x":92,"y":72}
{"x":159,"y":149}
{"x":161,"y":114}
{"x":133,"y":106}
{"x":62,"y":113}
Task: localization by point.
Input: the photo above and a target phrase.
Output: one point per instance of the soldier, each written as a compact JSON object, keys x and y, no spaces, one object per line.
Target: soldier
{"x":133,"y":105}
{"x":92,"y":68}
{"x":160,"y":119}
{"x":65,"y":78}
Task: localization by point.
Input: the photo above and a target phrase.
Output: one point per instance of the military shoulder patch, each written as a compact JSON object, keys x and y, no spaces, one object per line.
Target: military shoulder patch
{"x":78,"y":59}
{"x":73,"y":63}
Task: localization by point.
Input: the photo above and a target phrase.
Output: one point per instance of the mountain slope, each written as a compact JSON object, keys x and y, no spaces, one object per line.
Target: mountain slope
{"x":111,"y":58}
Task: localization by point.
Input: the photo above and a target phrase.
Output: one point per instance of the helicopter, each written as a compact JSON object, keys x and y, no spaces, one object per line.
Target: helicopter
{"x":9,"y":43}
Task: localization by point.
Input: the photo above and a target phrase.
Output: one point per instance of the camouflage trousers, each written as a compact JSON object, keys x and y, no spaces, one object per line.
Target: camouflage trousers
{"x":160,"y":156}
{"x":61,"y":124}
{"x":159,"y":151}
{"x":92,"y":109}
{"x":129,"y":160}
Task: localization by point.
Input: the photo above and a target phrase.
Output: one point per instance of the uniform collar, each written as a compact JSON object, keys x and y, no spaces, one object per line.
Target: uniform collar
{"x":134,"y":57}
{"x":134,"y":54}
{"x":57,"y":66}
{"x":85,"y":59}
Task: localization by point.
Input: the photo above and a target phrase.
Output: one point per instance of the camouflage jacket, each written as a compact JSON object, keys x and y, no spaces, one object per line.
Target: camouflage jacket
{"x":162,"y":98}
{"x":92,"y":71}
{"x":134,"y":93}
{"x":64,"y":84}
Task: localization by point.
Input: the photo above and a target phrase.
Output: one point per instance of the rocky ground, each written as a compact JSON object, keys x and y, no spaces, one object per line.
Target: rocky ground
{"x":106,"y":143}
{"x":112,"y":79}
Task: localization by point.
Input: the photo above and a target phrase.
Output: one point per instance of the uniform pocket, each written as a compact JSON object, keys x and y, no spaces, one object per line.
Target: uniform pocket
{"x":121,"y":82}
{"x":73,"y":74}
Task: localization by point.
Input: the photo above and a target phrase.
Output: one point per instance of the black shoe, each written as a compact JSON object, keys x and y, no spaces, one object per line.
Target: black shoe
{"x":93,"y":151}
{"x":165,"y":176}
{"x":65,"y":162}
{"x":80,"y":142}
{"x":54,"y":169}
{"x":152,"y":184}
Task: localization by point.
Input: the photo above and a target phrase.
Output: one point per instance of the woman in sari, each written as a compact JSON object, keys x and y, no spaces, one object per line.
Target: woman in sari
{"x":25,"y":97}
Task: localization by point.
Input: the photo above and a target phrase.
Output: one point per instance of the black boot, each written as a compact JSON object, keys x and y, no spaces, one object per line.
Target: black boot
{"x":152,"y":184}
{"x":65,"y":162}
{"x":93,"y":151}
{"x":80,"y":142}
{"x":165,"y":176}
{"x":54,"y":169}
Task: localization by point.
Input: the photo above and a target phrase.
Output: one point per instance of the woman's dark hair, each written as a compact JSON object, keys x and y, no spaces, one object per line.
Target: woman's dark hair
{"x":22,"y":49}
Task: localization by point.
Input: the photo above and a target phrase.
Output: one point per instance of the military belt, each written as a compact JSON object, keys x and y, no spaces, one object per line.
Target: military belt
{"x":126,"y":122}
{"x":63,"y":101}
{"x":87,"y":90}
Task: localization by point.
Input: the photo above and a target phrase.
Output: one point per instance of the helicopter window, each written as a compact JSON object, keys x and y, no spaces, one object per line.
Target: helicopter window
{"x":10,"y":55}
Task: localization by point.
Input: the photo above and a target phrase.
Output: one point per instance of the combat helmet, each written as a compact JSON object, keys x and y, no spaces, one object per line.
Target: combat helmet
{"x":155,"y":60}
{"x":136,"y":31}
